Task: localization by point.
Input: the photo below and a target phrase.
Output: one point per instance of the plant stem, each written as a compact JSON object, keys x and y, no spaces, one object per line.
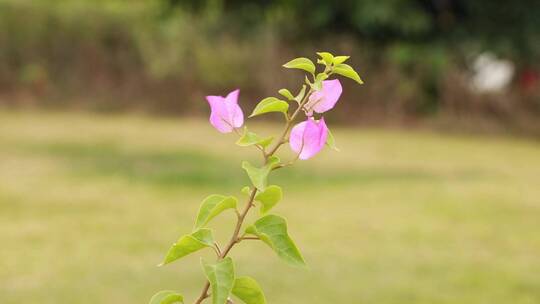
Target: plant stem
{"x":249,"y":238}
{"x":235,"y":239}
{"x":289,"y":125}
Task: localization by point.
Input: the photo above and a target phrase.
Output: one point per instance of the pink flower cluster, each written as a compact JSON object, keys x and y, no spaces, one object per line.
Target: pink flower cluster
{"x":306,"y":139}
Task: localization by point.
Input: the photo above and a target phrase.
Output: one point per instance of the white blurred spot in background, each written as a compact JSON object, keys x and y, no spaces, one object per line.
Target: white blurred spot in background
{"x":491,"y":74}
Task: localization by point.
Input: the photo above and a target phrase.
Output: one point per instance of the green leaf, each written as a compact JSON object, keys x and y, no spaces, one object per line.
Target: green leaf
{"x":331,"y":141}
{"x":340,"y":59}
{"x":317,"y":85}
{"x":301,"y":94}
{"x":272,"y":161}
{"x":221,"y":278}
{"x":188,"y":244}
{"x":269,"y":198}
{"x":250,"y":138}
{"x":272,"y":230}
{"x":167,"y":297}
{"x":246,"y":190}
{"x":286,"y":93}
{"x":326,"y":57}
{"x":301,"y":63}
{"x":212,"y":206}
{"x":270,"y":104}
{"x":248,"y":290}
{"x":321,"y":76}
{"x":347,"y":71}
{"x":259,"y":176}
{"x":265,"y":142}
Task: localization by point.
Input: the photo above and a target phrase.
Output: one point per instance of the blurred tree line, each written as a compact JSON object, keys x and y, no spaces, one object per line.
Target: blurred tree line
{"x":165,"y":55}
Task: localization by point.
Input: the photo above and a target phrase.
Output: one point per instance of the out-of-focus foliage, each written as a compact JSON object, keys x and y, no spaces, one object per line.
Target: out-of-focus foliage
{"x":512,"y":28}
{"x":155,"y":55}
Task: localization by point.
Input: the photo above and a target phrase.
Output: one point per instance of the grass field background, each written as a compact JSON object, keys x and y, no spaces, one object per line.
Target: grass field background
{"x":89,"y":204}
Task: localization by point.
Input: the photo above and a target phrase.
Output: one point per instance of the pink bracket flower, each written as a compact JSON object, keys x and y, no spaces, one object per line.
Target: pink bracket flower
{"x":308,"y":137}
{"x":325,"y":98}
{"x":226,"y":114}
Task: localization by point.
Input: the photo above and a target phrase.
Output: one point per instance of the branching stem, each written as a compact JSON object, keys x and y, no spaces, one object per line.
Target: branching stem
{"x":235,"y":238}
{"x":283,"y":138}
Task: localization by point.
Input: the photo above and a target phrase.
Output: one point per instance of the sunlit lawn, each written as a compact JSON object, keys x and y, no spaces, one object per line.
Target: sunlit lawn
{"x":89,"y":205}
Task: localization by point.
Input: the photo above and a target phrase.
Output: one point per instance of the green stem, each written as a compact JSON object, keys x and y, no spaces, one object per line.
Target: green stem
{"x":235,"y":239}
{"x":288,"y":126}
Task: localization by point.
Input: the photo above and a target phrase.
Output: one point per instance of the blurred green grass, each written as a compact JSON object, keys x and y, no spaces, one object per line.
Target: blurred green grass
{"x":89,"y":204}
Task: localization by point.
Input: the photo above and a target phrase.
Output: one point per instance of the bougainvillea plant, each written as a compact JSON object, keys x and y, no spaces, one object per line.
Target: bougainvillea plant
{"x":317,"y":95}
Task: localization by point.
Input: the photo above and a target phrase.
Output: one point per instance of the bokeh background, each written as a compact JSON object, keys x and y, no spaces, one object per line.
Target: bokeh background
{"x":106,"y":152}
